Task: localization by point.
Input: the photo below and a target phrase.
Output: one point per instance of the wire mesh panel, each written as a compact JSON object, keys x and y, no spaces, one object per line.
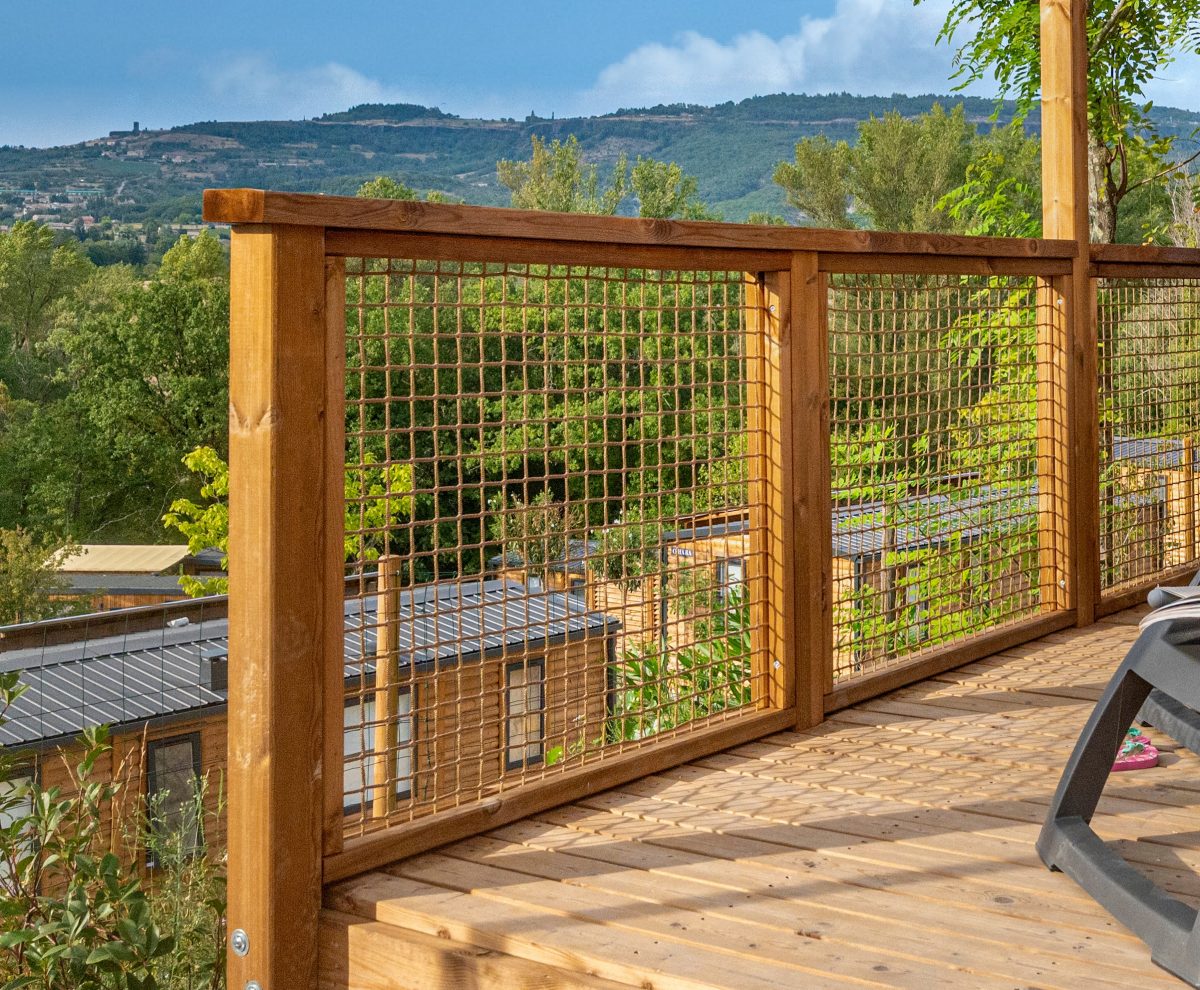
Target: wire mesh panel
{"x":547,"y":523}
{"x":934,"y":449}
{"x":1149,"y":332}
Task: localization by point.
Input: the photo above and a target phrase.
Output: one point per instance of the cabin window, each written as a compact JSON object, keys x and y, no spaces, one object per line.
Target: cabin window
{"x":525,"y":713}
{"x":172,"y":776}
{"x":358,"y":741}
{"x":16,"y":803}
{"x":731,"y":575}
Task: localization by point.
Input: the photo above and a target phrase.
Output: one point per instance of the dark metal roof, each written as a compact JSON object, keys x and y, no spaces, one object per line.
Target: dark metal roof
{"x":571,"y":562}
{"x":125,"y":584}
{"x":1161,"y":453}
{"x":138,"y":676}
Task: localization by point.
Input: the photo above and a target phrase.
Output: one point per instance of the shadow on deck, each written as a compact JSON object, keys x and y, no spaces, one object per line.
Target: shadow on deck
{"x":891,"y":847}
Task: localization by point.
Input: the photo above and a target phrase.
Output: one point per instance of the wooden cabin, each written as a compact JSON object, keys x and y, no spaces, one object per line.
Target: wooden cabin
{"x":492,"y":680}
{"x":113,"y":576}
{"x":1163,"y":471}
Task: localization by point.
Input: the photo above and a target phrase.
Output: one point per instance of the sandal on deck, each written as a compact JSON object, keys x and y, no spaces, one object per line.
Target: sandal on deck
{"x":1136,"y":753}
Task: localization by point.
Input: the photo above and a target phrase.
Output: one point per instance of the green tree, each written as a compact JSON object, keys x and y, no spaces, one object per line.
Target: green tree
{"x":1001,"y":195}
{"x":817,"y":183}
{"x":206,"y":524}
{"x":145,"y":374}
{"x":664,"y":191}
{"x":896,"y":175}
{"x":556,"y":178}
{"x":36,"y":278}
{"x":1129,"y":43}
{"x":385,"y":187}
{"x":29,"y":577}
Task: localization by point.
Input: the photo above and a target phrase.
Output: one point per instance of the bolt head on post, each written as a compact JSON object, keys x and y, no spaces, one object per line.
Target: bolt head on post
{"x":239,"y":941}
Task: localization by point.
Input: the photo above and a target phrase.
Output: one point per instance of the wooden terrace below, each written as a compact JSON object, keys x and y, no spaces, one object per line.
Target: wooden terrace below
{"x":891,"y":846}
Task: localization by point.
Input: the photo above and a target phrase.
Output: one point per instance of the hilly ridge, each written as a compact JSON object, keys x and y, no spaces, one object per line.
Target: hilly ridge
{"x":731,"y":149}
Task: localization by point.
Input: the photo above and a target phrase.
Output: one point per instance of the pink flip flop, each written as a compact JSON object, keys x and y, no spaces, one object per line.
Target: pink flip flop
{"x":1136,"y":753}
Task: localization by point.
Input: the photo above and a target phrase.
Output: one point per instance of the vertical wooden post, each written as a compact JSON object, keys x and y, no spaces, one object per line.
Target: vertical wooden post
{"x":279,"y":603}
{"x":789,"y":567}
{"x":808,"y":391}
{"x":768,"y":315}
{"x":332,"y":484}
{"x":1068,"y":412}
{"x":387,"y":691}
{"x":1189,"y":499}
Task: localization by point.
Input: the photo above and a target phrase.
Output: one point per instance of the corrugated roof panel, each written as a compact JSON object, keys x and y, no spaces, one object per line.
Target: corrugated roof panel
{"x":123,"y":558}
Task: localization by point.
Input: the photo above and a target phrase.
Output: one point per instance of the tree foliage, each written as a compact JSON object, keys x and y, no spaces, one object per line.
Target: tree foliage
{"x":377,"y":497}
{"x":136,"y":375}
{"x":556,"y":178}
{"x":1129,"y":43}
{"x":901,"y":171}
{"x":29,"y":576}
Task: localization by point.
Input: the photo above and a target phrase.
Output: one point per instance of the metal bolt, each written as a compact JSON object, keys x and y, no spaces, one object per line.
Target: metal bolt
{"x":771,"y":309}
{"x":239,"y":941}
{"x":1062,"y":583}
{"x":253,"y":985}
{"x":776,"y":665}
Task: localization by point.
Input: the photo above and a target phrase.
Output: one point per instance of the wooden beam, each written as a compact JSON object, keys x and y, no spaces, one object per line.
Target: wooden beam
{"x":279,"y":601}
{"x":944,"y":658}
{"x":769,"y":490}
{"x":812,"y":509}
{"x":1068,"y":414}
{"x":254,"y":206}
{"x":332,"y":486}
{"x":357,"y":954}
{"x":387,"y":690}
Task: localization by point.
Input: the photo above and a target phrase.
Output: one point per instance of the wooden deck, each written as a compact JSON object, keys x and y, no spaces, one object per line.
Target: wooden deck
{"x":891,"y":847}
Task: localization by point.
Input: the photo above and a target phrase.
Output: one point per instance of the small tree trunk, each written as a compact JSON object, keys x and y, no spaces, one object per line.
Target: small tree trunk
{"x":1102,"y":204}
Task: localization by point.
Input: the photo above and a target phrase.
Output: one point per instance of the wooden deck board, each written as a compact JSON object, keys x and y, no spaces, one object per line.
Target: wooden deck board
{"x":891,"y":846}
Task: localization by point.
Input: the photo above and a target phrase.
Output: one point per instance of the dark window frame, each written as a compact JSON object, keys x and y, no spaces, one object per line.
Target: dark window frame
{"x":528,"y":666}
{"x":409,"y":783}
{"x":152,"y":783}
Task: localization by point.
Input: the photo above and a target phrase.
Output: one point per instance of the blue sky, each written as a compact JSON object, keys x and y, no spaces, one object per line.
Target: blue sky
{"x":74,"y":69}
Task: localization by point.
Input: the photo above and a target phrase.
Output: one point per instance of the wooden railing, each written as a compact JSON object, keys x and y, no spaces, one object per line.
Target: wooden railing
{"x":914,"y":417}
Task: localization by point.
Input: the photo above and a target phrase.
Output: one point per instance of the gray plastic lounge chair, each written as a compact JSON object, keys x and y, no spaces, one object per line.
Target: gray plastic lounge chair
{"x":1159,"y":683}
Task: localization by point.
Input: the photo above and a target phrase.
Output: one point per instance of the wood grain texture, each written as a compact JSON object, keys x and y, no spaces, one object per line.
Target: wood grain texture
{"x":806,"y":435}
{"x":371,"y":851}
{"x":366,"y":955}
{"x":891,"y":846}
{"x":278,"y":606}
{"x":768,"y":309}
{"x":1068,"y":414}
{"x":254,"y":206}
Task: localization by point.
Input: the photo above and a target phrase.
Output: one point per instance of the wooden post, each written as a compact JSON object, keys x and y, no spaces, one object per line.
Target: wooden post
{"x":281,"y":603}
{"x":1189,"y":499}
{"x":1067,"y":413}
{"x":788,"y":569}
{"x":812,"y":565}
{"x":387,"y":690}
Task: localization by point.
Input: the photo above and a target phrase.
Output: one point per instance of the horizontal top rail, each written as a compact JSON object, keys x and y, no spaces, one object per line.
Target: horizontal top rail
{"x":1144,"y":254}
{"x":256,"y":206}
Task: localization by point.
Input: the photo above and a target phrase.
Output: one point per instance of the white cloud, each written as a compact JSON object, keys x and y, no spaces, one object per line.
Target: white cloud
{"x":863,"y":47}
{"x":254,"y":84}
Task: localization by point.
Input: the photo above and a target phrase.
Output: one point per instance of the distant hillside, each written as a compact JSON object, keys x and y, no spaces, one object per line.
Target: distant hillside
{"x":731,"y":148}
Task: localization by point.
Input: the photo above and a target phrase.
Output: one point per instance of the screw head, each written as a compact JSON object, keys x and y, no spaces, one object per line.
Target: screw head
{"x":253,"y":985}
{"x":239,"y":941}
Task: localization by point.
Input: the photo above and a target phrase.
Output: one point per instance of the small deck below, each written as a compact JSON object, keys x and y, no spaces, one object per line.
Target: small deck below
{"x":891,"y":847}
